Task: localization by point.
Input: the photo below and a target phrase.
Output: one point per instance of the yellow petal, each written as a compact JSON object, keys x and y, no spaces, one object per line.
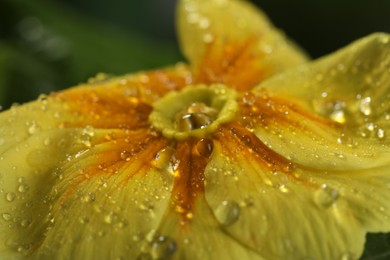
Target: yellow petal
{"x":285,"y":211}
{"x":331,"y":114}
{"x":60,"y":154}
{"x":231,"y":42}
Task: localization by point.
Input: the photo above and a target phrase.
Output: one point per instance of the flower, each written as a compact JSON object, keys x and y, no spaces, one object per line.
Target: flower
{"x":248,"y":152}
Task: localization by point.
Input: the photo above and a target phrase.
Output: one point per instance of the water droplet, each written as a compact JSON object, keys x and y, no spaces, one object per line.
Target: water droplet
{"x":345,"y":139}
{"x":325,"y":196}
{"x":228,"y":212}
{"x":47,"y":141}
{"x":6,"y":216}
{"x":347,"y":256}
{"x":208,"y":38}
{"x":90,"y":197}
{"x":22,"y":188}
{"x":338,"y":116}
{"x":283,"y":188}
{"x":33,"y":129}
{"x":110,"y":218}
{"x":163,"y":158}
{"x":249,"y":99}
{"x":380,"y":133}
{"x":10,"y":196}
{"x":195,"y":116}
{"x":162,"y":247}
{"x":25,"y":222}
{"x":365,"y":106}
{"x":204,"y":147}
{"x":89,"y":130}
{"x":204,"y":23}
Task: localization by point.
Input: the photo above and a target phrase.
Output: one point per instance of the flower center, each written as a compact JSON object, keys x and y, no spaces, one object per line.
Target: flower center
{"x":194,"y":111}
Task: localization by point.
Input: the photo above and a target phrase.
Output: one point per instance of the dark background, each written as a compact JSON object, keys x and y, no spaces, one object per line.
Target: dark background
{"x":47,"y":45}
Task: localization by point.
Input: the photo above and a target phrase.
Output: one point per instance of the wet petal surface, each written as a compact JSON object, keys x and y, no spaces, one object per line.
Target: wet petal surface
{"x":221,"y":38}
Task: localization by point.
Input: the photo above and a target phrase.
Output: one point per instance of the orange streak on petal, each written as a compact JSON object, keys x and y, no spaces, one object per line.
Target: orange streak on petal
{"x":104,"y":107}
{"x":126,"y":155}
{"x":191,"y":159}
{"x":154,"y":84}
{"x":238,"y":142}
{"x":235,"y":64}
{"x":263,"y":109}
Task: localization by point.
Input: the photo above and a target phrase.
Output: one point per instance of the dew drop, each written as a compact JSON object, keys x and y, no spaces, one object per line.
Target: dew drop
{"x":163,"y":158}
{"x":249,"y":99}
{"x":325,"y":196}
{"x":228,"y":212}
{"x":338,"y":116}
{"x":345,"y":139}
{"x":365,"y":106}
{"x":22,"y":188}
{"x":89,"y":130}
{"x":33,"y":129}
{"x":380,"y":133}
{"x":204,"y":147}
{"x":6,"y":216}
{"x":208,"y":38}
{"x":110,"y":218}
{"x":347,"y":256}
{"x":10,"y":196}
{"x":283,"y":188}
{"x":163,"y":247}
{"x":196,"y":115}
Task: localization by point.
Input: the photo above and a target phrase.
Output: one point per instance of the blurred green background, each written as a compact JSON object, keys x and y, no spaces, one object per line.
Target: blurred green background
{"x":46,"y":45}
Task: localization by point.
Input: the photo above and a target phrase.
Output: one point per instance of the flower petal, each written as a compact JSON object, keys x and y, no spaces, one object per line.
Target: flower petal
{"x":231,"y":42}
{"x":331,"y":114}
{"x":63,"y":159}
{"x":291,"y":212}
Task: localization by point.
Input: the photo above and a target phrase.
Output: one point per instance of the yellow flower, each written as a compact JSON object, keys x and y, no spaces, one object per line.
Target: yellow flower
{"x":207,"y":160}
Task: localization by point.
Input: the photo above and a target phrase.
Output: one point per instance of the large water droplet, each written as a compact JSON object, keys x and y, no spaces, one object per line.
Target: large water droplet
{"x":162,"y":247}
{"x":163,"y":158}
{"x":10,"y":196}
{"x":325,"y":196}
{"x":228,"y":212}
{"x":195,"y":116}
{"x":204,"y":147}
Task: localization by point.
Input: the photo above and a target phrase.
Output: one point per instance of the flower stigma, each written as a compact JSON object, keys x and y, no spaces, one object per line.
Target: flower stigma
{"x":194,"y":111}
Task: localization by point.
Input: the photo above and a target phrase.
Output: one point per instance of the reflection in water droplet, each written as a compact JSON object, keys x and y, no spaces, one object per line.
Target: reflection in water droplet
{"x":162,"y":247}
{"x":325,"y":196}
{"x":163,"y":158}
{"x":204,"y":147}
{"x":196,"y":115}
{"x":10,"y":196}
{"x":228,"y":212}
